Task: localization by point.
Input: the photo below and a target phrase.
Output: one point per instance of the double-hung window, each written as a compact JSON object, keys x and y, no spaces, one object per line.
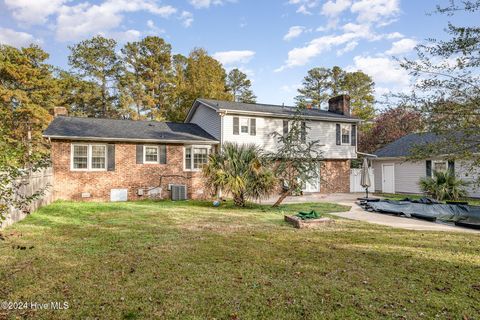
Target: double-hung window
{"x":440,"y":166}
{"x":89,"y":157}
{"x":150,"y":154}
{"x":195,"y":157}
{"x":346,"y":134}
{"x":244,"y":126}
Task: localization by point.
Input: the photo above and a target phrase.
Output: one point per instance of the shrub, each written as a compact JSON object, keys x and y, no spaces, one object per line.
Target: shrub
{"x":444,"y":186}
{"x":240,"y":170}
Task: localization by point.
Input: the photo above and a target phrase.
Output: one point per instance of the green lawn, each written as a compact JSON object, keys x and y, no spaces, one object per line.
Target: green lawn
{"x":401,"y":196}
{"x":188,"y":260}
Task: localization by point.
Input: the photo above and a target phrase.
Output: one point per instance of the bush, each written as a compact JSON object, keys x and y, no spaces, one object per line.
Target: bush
{"x":444,"y":186}
{"x":240,"y":170}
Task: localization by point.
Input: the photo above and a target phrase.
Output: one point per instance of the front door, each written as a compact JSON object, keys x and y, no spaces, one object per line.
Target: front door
{"x":388,"y":175}
{"x":313,"y":185}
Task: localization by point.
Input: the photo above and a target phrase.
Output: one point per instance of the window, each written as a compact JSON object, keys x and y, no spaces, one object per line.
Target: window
{"x":196,"y":157}
{"x":80,"y":157}
{"x":89,"y":157}
{"x":440,"y":166}
{"x":150,"y":154}
{"x":98,"y":157}
{"x":345,"y":134}
{"x":200,"y":157}
{"x":244,"y":125}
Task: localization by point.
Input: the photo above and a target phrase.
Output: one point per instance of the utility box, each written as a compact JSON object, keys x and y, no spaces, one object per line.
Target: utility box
{"x":179,"y":192}
{"x":118,"y":195}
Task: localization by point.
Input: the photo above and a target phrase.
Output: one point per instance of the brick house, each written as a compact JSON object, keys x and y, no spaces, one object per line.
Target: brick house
{"x":106,"y":159}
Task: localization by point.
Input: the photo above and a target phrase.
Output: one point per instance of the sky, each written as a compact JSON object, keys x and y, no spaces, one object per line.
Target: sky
{"x":274,"y":42}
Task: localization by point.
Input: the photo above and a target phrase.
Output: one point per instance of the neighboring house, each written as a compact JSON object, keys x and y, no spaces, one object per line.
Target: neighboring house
{"x":104,"y":159}
{"x":395,"y":174}
{"x":249,"y":123}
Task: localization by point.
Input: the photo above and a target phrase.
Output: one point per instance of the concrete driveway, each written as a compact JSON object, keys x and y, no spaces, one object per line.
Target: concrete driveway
{"x":357,"y":213}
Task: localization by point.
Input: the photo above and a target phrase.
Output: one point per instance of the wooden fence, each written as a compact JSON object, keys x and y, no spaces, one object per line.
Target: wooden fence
{"x":39,"y":180}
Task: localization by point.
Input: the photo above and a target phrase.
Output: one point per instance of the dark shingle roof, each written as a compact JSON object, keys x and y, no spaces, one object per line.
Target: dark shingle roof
{"x":121,"y":130}
{"x":402,"y":147}
{"x":271,"y":109}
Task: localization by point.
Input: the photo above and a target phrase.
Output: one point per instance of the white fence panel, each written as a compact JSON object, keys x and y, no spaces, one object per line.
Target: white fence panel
{"x":355,"y":177}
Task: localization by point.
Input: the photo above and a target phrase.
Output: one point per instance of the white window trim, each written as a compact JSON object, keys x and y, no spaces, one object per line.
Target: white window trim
{"x":240,"y":126}
{"x":145,"y":154}
{"x":349,"y":127}
{"x":208,"y":147}
{"x":89,"y":156}
{"x":439,"y":161}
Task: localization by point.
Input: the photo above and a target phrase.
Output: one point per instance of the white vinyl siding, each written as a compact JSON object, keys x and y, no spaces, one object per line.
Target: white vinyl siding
{"x":317,"y":130}
{"x":407,"y":175}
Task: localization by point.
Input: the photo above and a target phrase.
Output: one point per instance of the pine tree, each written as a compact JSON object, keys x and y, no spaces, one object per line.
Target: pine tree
{"x":96,"y":60}
{"x":240,"y":86}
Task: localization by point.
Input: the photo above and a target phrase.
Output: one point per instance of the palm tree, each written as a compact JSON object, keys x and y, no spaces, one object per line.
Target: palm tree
{"x":240,"y":170}
{"x":444,"y":186}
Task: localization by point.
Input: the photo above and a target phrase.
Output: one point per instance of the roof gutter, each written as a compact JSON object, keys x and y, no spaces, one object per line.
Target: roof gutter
{"x":367,"y":154}
{"x":275,"y":115}
{"x":130,"y":140}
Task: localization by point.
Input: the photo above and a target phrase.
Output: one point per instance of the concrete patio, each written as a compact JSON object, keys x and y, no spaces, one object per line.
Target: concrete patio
{"x":357,"y":213}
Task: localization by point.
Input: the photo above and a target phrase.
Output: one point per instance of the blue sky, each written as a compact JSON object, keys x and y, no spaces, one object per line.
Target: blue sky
{"x":274,"y":42}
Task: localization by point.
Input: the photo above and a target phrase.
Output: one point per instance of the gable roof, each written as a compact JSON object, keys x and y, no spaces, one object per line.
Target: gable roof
{"x":403,"y":146}
{"x":96,"y":129}
{"x":267,"y":110}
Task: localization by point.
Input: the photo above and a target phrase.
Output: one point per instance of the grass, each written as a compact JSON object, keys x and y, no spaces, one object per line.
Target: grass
{"x":401,"y":196}
{"x":188,"y":260}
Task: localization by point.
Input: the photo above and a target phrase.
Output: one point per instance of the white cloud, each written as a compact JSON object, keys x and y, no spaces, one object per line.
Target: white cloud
{"x":85,"y":19}
{"x":334,"y":8}
{"x":304,"y":6}
{"x":126,"y":36}
{"x":402,"y":46}
{"x":383,"y":70}
{"x":376,"y":11}
{"x":200,"y":4}
{"x":301,"y":56}
{"x":153,"y":28}
{"x":187,"y":18}
{"x":33,"y":12}
{"x":234,"y":56}
{"x":349,"y":47}
{"x":16,"y":38}
{"x":394,"y":35}
{"x":293,"y":32}
{"x":290,"y":88}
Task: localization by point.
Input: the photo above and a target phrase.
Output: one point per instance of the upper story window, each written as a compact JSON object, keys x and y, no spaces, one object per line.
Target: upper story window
{"x":244,"y":126}
{"x":87,"y":157}
{"x":346,"y":134}
{"x":195,"y":157}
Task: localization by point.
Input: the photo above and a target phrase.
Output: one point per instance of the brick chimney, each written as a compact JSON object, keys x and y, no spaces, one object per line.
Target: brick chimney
{"x":60,"y":111}
{"x":340,"y":104}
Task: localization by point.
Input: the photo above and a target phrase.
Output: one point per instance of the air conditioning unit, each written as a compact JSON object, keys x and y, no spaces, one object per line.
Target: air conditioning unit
{"x":179,"y":192}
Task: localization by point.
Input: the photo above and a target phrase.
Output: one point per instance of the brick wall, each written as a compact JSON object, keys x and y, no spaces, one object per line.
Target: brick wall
{"x":128,"y":174}
{"x":335,"y":176}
